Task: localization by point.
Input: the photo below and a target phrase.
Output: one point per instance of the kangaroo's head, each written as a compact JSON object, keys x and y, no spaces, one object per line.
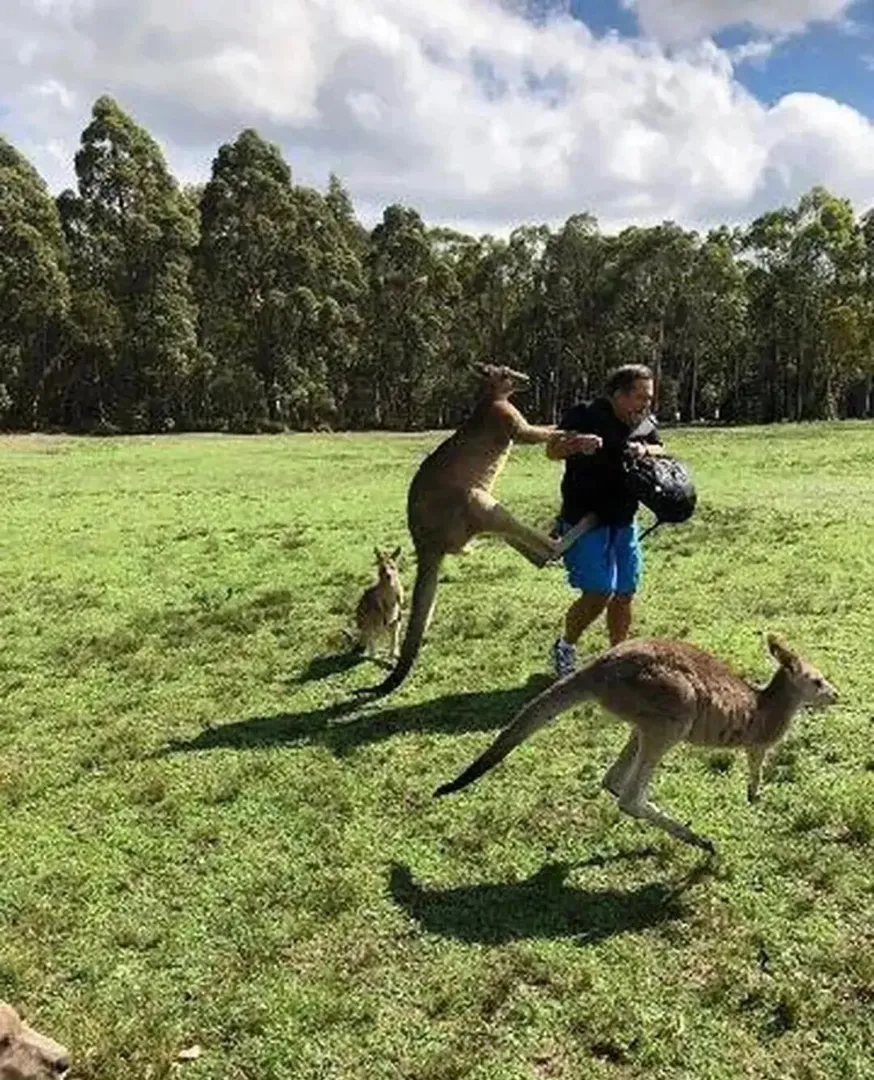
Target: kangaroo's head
{"x":26,"y":1054}
{"x":811,"y":684}
{"x":498,"y":380}
{"x":387,"y":566}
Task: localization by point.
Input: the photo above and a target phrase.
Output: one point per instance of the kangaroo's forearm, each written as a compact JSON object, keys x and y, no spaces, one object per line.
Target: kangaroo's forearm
{"x":531,"y":433}
{"x":556,"y":449}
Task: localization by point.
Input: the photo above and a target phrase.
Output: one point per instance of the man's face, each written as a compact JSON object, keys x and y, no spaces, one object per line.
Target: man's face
{"x":634,"y":404}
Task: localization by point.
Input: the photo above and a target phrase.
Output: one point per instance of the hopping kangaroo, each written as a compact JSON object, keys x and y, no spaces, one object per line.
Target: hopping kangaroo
{"x":379,"y":610}
{"x":450,"y":501}
{"x":26,"y":1054}
{"x":670,"y":692}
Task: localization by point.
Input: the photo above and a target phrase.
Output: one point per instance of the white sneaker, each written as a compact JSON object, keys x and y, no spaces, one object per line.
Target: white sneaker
{"x":564,"y":658}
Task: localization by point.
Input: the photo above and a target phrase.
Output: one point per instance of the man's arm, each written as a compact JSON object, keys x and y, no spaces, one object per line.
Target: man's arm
{"x":654,"y":445}
{"x":650,"y":445}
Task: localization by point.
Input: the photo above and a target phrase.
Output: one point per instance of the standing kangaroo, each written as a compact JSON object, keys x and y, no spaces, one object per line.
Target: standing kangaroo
{"x":670,"y":692}
{"x":450,"y":501}
{"x":379,"y":609}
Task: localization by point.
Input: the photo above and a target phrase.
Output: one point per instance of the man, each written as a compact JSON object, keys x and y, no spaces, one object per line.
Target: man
{"x":605,"y":563}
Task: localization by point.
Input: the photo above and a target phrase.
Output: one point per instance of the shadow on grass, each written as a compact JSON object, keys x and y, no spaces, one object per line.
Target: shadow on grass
{"x":323,"y":667}
{"x":348,"y":724}
{"x":543,"y":906}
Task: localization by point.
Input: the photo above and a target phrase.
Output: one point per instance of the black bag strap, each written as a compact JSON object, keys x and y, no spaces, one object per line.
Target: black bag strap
{"x":651,"y":529}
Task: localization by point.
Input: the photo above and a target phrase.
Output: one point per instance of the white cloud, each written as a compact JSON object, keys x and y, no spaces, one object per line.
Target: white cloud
{"x":674,"y":21}
{"x":463,"y":108}
{"x":753,"y":51}
{"x":818,"y":141}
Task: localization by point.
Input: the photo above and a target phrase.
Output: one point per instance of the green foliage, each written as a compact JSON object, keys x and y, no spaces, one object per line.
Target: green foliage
{"x":250,"y":303}
{"x":131,"y":233}
{"x":34,"y":291}
{"x":279,"y":283}
{"x":813,"y":307}
{"x":207,"y":841}
{"x":411,"y":292}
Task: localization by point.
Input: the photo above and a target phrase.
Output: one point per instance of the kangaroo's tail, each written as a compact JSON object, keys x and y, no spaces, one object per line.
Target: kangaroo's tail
{"x":421,"y":610}
{"x":535,"y":714}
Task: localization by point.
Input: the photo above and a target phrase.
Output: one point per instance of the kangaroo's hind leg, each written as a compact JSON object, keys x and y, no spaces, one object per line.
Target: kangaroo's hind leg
{"x":755,"y":760}
{"x":616,"y":776}
{"x":490,"y":517}
{"x":634,"y":799}
{"x":395,"y":630}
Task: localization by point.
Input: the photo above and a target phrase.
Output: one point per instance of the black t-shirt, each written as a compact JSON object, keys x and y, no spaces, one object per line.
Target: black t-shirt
{"x":597,"y":482}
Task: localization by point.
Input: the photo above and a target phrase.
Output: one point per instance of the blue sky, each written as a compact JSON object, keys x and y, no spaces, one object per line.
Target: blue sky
{"x":604,"y":16}
{"x":828,"y":59}
{"x":481,"y":113}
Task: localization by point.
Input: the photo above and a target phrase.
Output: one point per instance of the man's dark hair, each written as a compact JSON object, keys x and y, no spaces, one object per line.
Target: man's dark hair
{"x":623,"y":378}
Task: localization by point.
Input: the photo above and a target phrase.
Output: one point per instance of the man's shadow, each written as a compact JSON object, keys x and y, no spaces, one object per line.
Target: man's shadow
{"x":543,"y":906}
{"x":350,"y":723}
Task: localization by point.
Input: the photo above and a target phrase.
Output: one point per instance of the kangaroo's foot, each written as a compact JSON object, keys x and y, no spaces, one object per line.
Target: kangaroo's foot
{"x":647,"y":811}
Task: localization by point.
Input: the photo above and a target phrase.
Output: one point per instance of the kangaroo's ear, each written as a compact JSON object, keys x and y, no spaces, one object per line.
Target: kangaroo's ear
{"x":378,"y":554}
{"x":781,"y":652}
{"x":396,"y":554}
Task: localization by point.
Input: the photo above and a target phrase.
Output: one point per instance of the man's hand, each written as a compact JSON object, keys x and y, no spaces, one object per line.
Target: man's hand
{"x":575,"y":442}
{"x":562,"y":444}
{"x":641,"y":449}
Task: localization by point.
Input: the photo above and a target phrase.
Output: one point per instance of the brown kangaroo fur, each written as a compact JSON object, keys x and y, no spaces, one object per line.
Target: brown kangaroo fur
{"x":450,"y":501}
{"x":378,"y":612}
{"x":26,"y":1054}
{"x":670,"y":692}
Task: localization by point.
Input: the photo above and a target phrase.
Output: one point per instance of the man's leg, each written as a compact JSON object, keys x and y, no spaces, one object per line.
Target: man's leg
{"x":582,"y":613}
{"x":629,"y":566}
{"x":619,"y":617}
{"x":591,"y":569}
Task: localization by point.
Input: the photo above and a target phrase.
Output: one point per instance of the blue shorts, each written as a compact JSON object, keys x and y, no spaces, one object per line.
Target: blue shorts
{"x":607,"y":559}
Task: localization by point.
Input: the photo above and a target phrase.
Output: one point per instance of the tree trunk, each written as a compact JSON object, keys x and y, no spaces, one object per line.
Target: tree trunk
{"x":657,"y":365}
{"x":693,"y":389}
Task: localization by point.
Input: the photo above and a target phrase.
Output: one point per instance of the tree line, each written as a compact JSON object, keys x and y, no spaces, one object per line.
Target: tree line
{"x":251,"y":303}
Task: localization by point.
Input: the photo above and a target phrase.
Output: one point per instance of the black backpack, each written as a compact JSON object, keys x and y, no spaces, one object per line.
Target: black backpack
{"x":664,"y":486}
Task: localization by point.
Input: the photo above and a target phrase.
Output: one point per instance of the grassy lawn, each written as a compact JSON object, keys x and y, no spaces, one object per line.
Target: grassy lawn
{"x":203,"y":844}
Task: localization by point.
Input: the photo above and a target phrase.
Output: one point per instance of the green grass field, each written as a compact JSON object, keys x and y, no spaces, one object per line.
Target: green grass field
{"x":203,"y":845}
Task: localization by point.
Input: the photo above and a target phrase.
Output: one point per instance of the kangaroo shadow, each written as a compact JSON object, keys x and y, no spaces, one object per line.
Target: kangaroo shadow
{"x":347,"y":724}
{"x":543,"y":906}
{"x":323,"y":667}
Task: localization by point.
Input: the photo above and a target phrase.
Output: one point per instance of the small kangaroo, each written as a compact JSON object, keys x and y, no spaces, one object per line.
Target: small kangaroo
{"x":670,"y":692}
{"x":26,"y":1054}
{"x":450,"y":501}
{"x":379,"y":609}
